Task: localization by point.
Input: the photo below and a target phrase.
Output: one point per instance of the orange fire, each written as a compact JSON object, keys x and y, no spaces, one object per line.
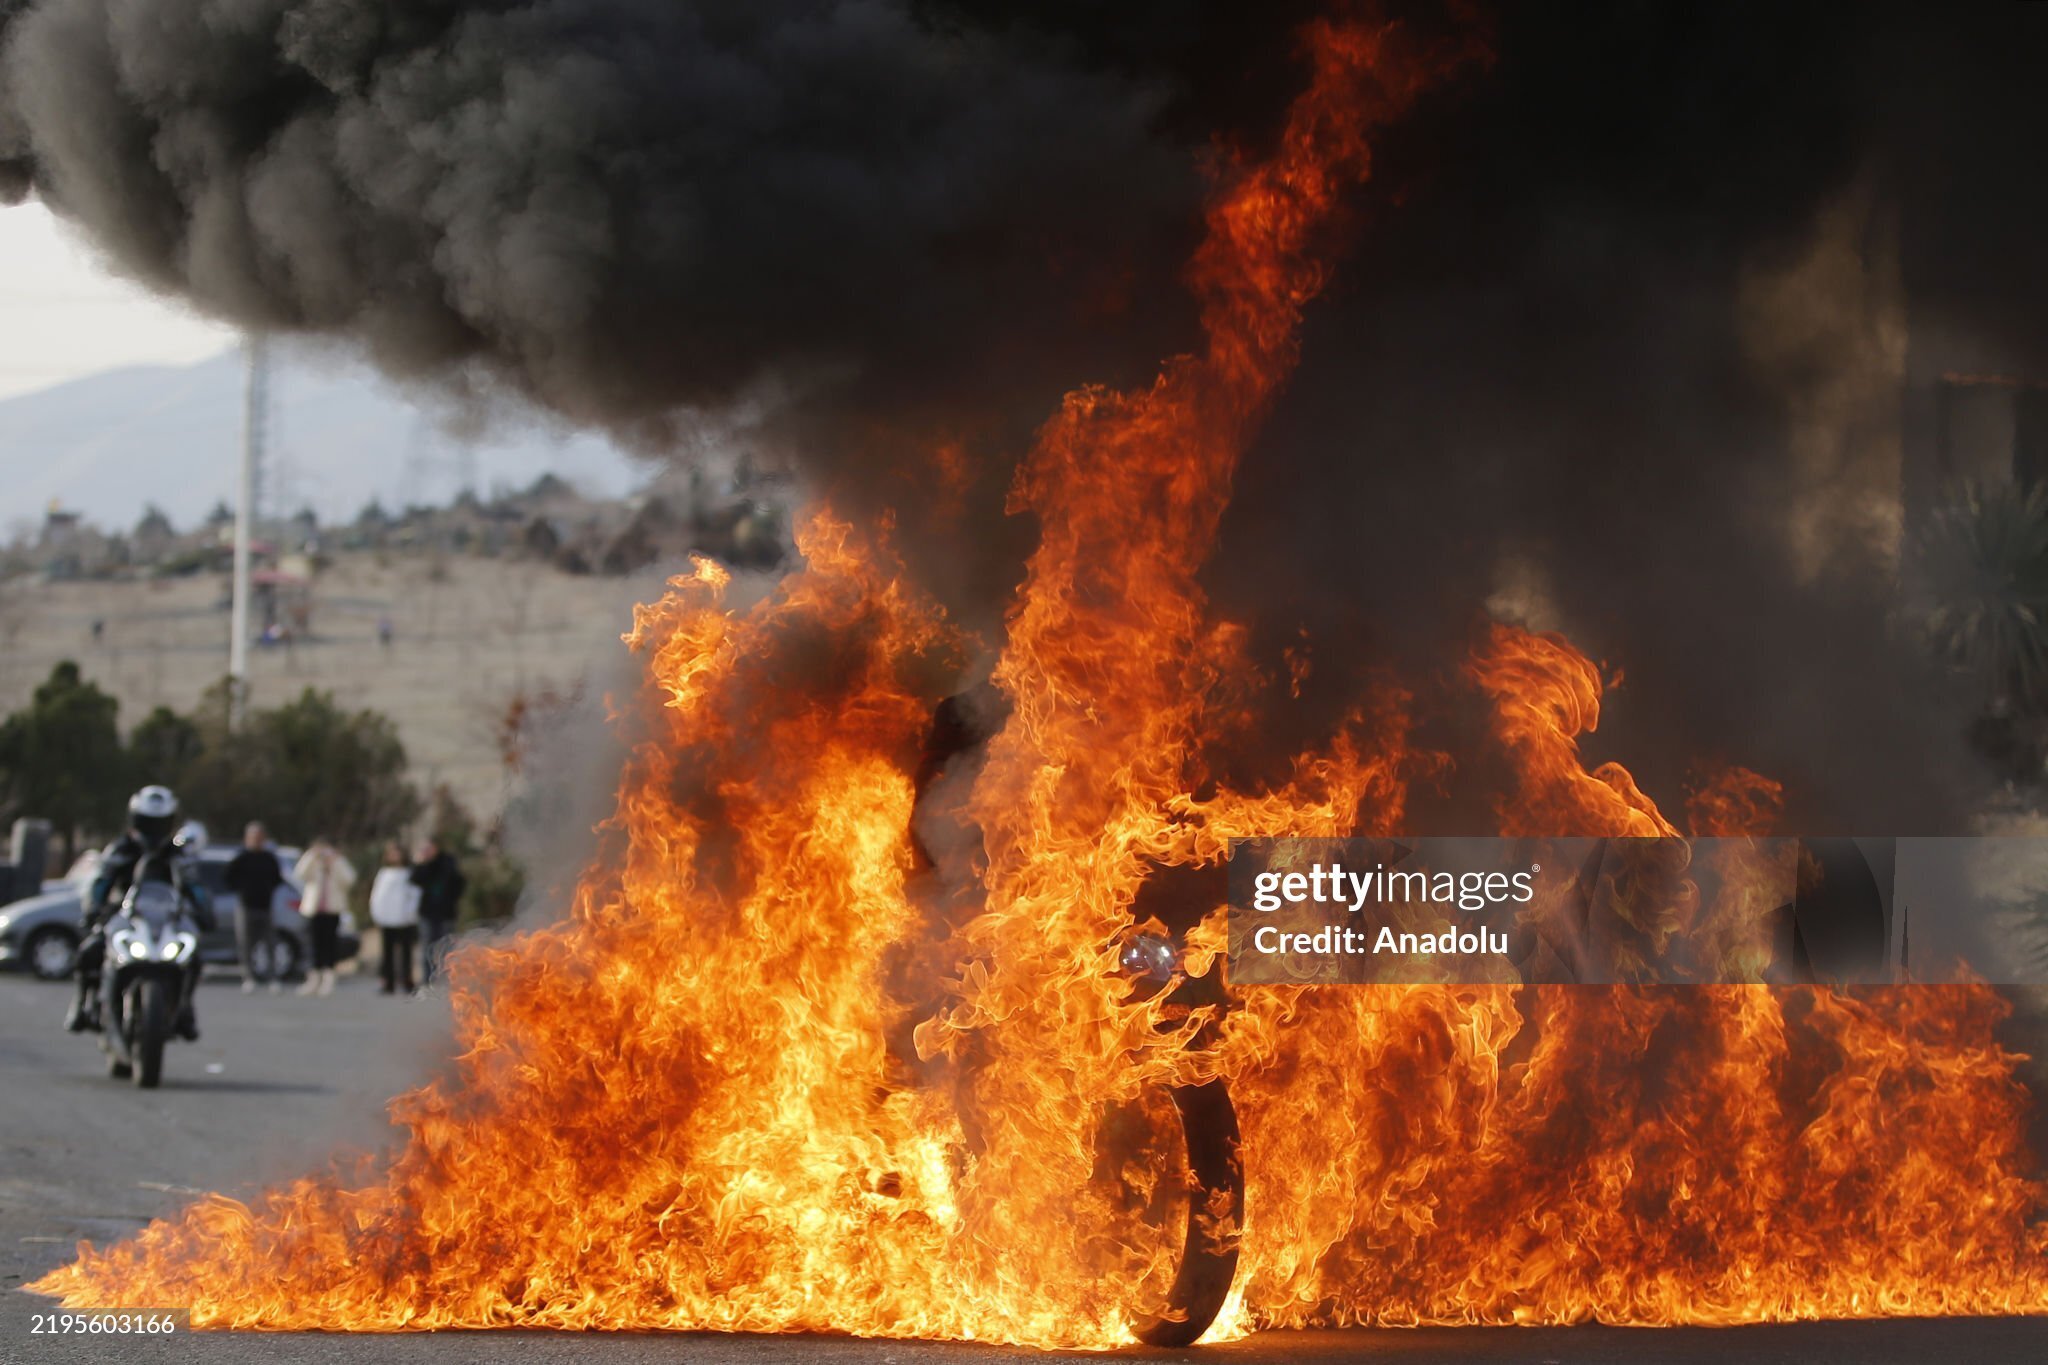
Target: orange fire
{"x":767,"y":1077}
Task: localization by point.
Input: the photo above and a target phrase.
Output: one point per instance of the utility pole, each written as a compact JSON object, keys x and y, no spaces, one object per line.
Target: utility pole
{"x":255,"y":405}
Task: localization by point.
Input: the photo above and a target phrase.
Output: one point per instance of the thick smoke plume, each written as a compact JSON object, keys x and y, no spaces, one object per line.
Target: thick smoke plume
{"x":1638,"y":341}
{"x":1633,"y":348}
{"x":622,"y":208}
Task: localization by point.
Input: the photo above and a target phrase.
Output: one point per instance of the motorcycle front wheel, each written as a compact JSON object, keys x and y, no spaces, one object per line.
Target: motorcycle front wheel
{"x":150,"y":1016}
{"x":1208,"y":1263}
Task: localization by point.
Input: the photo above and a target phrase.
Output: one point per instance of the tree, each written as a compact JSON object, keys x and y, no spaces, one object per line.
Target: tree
{"x":1986,"y":558}
{"x":495,"y":879}
{"x":451,"y":823}
{"x":165,"y":748}
{"x":305,"y":768}
{"x":61,"y":757}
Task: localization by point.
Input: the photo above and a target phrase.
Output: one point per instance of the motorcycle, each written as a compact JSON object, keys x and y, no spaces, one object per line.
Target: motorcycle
{"x":1200,"y":1162}
{"x":151,"y":944}
{"x":1209,"y":1133}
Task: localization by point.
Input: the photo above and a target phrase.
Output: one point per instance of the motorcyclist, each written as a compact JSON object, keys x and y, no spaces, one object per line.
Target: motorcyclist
{"x":154,"y":848}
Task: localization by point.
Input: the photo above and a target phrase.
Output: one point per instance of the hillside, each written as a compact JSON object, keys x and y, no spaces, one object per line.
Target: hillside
{"x":340,"y":435}
{"x":468,"y":638}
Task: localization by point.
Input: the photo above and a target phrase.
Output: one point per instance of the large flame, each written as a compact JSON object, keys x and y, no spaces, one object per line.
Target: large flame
{"x":764,"y":1077}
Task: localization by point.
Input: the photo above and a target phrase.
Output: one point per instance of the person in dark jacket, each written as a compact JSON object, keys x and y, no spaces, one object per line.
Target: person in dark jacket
{"x":254,"y":876}
{"x":152,"y":849}
{"x":441,"y":885}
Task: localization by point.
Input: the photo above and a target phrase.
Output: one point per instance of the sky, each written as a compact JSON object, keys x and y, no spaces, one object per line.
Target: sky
{"x":339,"y":435}
{"x":66,"y":316}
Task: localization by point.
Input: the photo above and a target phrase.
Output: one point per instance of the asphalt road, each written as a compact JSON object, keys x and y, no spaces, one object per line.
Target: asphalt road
{"x":277,"y":1084}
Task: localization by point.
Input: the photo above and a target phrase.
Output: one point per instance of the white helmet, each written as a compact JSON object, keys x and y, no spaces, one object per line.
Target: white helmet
{"x":153,"y":814}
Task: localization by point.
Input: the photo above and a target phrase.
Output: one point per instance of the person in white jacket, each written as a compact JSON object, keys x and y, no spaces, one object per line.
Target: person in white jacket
{"x":324,"y":880}
{"x":395,"y":909}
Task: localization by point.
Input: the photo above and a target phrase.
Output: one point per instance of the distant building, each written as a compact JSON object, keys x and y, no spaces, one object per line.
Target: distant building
{"x":66,"y":547}
{"x":61,"y":530}
{"x":154,"y":538}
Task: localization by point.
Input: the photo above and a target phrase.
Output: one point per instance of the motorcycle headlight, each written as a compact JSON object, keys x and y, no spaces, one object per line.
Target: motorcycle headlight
{"x":177,"y":948}
{"x":131,"y":945}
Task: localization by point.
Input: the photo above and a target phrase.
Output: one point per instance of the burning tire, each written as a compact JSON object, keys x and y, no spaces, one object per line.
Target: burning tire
{"x":1186,"y":1131}
{"x":1215,"y":1209}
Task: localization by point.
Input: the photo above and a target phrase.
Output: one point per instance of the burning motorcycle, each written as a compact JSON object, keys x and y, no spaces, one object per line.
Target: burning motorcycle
{"x":152,"y":947}
{"x":1210,"y":1172}
{"x":1185,"y":1135}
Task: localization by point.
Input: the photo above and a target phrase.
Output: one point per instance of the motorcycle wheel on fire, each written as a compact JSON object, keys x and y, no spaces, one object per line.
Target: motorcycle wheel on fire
{"x":1190,"y":1129}
{"x":1213,"y":1210}
{"x":1208,"y":1261}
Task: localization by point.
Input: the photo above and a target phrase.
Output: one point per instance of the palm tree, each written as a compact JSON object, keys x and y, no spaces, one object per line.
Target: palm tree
{"x":1986,"y":560}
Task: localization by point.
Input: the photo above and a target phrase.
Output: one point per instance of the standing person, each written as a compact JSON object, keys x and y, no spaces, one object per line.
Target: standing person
{"x":324,"y":879}
{"x":441,"y":885}
{"x":254,"y":876}
{"x":395,"y":909}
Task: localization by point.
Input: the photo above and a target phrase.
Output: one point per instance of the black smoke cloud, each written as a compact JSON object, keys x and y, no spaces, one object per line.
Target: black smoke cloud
{"x":1606,"y":304}
{"x":624,"y":209}
{"x":1571,"y":340}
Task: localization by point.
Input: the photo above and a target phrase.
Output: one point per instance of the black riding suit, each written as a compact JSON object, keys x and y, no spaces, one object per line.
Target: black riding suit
{"x":127,"y":860}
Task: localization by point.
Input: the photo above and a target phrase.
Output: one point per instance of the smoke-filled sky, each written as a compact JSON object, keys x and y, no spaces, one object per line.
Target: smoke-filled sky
{"x":624,"y":207}
{"x":1633,"y":343}
{"x":1628,"y":342}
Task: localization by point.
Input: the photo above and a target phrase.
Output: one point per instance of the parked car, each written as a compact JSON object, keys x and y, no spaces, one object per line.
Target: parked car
{"x":41,"y":934}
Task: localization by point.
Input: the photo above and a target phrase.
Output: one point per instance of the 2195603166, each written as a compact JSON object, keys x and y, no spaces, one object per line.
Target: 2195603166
{"x":137,"y":1322}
